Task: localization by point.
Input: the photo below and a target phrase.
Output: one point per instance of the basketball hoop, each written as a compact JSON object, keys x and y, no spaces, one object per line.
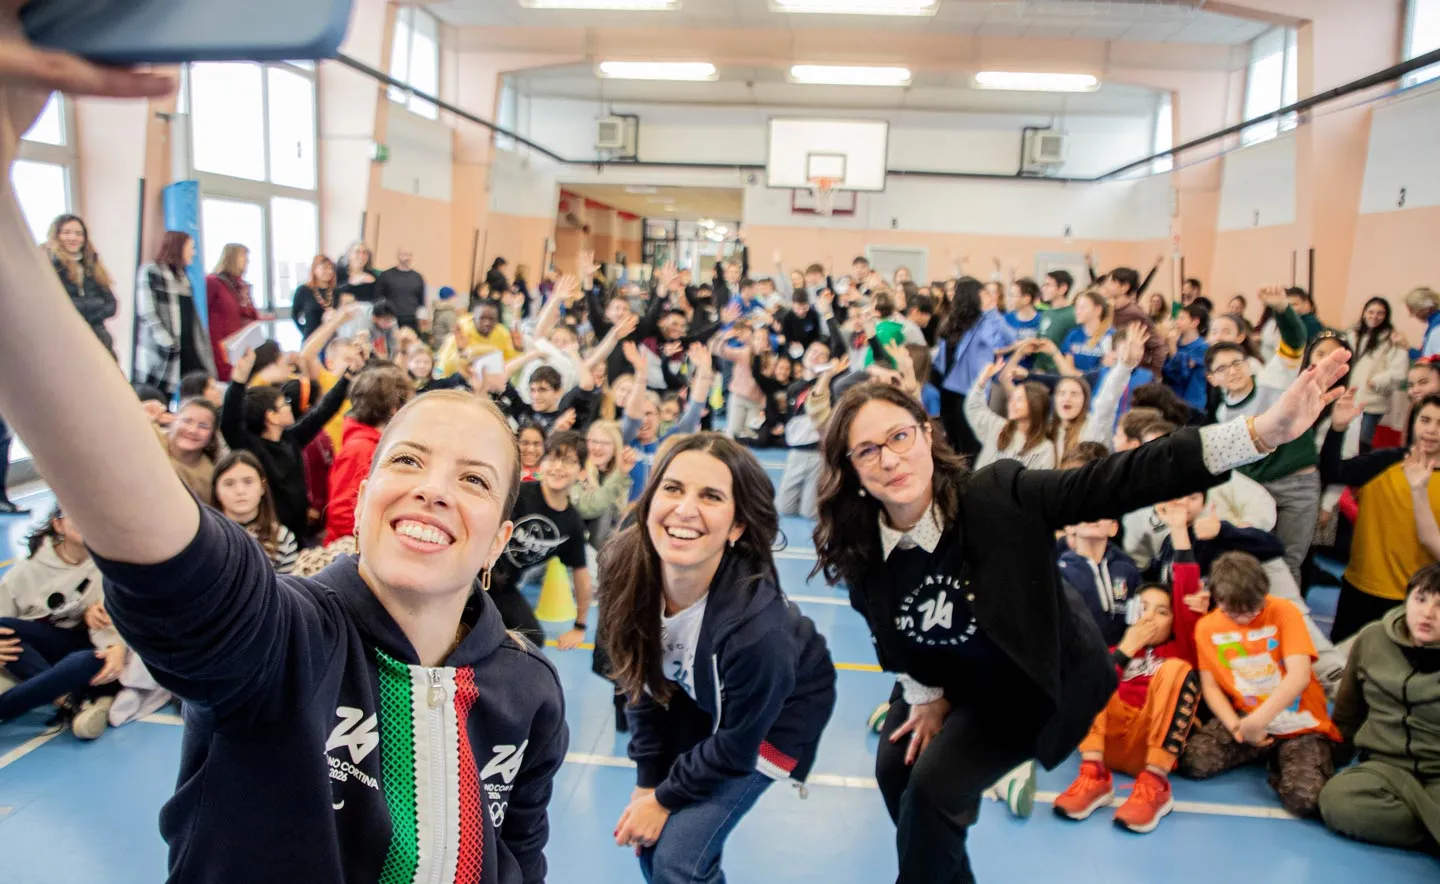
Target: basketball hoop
{"x":823,"y":189}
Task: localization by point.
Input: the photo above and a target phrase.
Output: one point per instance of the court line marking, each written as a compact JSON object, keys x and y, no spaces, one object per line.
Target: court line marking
{"x":26,"y":748}
{"x":849,"y":782}
{"x":1210,"y":808}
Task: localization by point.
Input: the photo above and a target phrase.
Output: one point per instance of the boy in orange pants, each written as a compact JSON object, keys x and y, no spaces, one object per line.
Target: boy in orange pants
{"x":1143,"y":728}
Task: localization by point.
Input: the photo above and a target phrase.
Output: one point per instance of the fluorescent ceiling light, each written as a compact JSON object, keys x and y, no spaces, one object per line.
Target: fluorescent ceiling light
{"x":721,"y":231}
{"x":858,"y":7}
{"x":658,"y":70}
{"x":1022,"y":82}
{"x":849,"y":75}
{"x":628,"y":5}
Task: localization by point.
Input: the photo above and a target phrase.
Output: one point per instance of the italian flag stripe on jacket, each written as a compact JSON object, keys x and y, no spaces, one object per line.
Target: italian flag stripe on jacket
{"x":430,"y":781}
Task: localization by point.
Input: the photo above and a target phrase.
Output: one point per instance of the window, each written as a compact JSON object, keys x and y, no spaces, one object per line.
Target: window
{"x":1164,"y":135}
{"x":1271,"y":82}
{"x":1422,"y":35}
{"x":253,"y":145}
{"x":227,"y":118}
{"x":415,"y":59}
{"x":41,"y":174}
{"x":42,"y":192}
{"x":507,"y":112}
{"x":225,"y":221}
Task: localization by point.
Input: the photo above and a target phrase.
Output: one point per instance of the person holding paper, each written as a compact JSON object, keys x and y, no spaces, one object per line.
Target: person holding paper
{"x":227,"y":296}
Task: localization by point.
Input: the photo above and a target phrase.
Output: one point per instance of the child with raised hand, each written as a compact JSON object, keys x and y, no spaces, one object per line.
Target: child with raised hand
{"x":1255,"y":660}
{"x":240,"y":492}
{"x":1142,"y":730}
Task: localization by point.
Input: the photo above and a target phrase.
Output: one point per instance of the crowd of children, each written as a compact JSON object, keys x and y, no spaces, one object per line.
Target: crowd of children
{"x":1201,"y":599}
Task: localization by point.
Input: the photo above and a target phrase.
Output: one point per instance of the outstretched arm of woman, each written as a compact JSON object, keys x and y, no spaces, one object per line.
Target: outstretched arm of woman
{"x":1180,"y":464}
{"x":141,"y":513}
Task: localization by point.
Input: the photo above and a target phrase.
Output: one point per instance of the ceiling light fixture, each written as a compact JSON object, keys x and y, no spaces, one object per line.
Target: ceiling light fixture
{"x":849,"y":75}
{"x":857,"y":7}
{"x":658,"y":70}
{"x":623,"y":5}
{"x":632,"y":188}
{"x":1030,"y":82}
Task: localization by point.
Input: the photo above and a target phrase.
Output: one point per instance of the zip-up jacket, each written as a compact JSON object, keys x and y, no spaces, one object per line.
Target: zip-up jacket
{"x":317,"y":749}
{"x":1107,"y":586}
{"x":764,"y":689}
{"x":1388,"y":704}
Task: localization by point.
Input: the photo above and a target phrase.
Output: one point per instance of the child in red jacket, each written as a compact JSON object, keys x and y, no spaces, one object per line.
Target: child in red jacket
{"x":1143,"y":728}
{"x":375,"y":396}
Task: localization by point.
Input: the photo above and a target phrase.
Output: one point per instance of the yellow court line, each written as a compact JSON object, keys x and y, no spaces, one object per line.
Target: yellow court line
{"x":7,"y":563}
{"x":849,"y":667}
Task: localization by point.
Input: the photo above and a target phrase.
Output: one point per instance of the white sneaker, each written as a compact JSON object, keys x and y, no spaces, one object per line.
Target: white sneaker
{"x":1016,"y":790}
{"x":92,"y":719}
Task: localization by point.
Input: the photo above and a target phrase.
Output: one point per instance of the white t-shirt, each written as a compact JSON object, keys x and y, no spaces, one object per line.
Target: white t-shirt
{"x":678,"y":637}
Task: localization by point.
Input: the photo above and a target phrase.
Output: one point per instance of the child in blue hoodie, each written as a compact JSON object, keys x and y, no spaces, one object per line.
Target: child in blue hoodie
{"x":1103,"y":574}
{"x":729,"y":685}
{"x":1185,"y":368}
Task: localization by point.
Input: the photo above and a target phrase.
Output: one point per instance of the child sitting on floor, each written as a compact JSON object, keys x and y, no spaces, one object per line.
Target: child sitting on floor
{"x":1143,"y":728}
{"x":1255,"y":657}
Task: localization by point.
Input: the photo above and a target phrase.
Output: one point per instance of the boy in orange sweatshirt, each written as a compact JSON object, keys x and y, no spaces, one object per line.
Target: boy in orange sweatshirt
{"x":1142,"y":730}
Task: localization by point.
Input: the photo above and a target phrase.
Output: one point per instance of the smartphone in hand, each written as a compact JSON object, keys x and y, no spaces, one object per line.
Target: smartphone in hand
{"x":128,"y":32}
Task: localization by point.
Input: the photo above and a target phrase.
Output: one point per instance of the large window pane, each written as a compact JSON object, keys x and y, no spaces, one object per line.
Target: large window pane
{"x":292,"y":129}
{"x":42,"y":192}
{"x":425,"y":64}
{"x":1164,"y":135}
{"x":228,"y":119}
{"x":50,"y":128}
{"x":225,"y":221}
{"x":1265,"y":84}
{"x":1423,"y":37}
{"x":295,"y":235}
{"x":400,"y":52}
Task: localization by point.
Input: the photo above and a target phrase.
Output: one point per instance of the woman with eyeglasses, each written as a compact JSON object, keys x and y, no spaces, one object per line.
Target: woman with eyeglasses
{"x":954,"y":572}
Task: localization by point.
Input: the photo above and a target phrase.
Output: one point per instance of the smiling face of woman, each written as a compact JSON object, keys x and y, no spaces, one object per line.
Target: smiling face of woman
{"x":431,"y":515}
{"x":894,"y":479}
{"x":72,"y":236}
{"x":692,"y":514}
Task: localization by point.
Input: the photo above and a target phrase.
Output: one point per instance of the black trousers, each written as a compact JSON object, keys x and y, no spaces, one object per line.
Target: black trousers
{"x":1357,"y":609}
{"x":957,"y":428}
{"x":5,"y":439}
{"x":935,"y":802}
{"x":516,"y":613}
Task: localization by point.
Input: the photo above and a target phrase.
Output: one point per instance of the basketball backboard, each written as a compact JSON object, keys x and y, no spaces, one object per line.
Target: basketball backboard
{"x":850,"y":152}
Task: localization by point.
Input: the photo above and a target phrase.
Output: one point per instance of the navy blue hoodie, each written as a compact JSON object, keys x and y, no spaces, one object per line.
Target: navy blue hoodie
{"x":764,"y":690}
{"x":316,"y":748}
{"x":1107,"y":601}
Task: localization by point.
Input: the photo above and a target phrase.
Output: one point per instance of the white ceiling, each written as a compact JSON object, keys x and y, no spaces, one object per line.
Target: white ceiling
{"x":931,"y":91}
{"x":1169,"y":21}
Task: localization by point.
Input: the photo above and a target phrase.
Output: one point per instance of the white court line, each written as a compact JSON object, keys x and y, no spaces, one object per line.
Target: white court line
{"x":26,"y":748}
{"x":841,"y":781}
{"x":794,"y":553}
{"x":164,"y":718}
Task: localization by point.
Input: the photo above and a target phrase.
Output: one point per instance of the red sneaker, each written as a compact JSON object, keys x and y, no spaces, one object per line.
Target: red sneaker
{"x":1150,"y":800}
{"x":1092,"y":790}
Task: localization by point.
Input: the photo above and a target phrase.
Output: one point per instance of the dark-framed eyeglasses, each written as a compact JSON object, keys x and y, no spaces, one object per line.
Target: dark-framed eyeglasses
{"x":900,"y":440}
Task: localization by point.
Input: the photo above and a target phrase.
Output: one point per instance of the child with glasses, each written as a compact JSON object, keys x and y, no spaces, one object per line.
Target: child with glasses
{"x":1255,"y":658}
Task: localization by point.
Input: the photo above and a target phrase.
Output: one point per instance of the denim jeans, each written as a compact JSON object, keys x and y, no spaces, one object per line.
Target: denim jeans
{"x":693,"y":839}
{"x":54,"y":661}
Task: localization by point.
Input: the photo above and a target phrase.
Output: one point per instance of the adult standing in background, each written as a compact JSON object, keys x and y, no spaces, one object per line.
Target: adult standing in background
{"x":314,"y":297}
{"x":357,"y":273}
{"x":495,"y":278}
{"x":1424,"y":304}
{"x":227,"y":295}
{"x":404,"y":288}
{"x":969,"y":337}
{"x":172,"y":339}
{"x":85,"y":279}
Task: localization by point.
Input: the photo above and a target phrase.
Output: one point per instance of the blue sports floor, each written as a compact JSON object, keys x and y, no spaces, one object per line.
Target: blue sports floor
{"x":86,"y":812}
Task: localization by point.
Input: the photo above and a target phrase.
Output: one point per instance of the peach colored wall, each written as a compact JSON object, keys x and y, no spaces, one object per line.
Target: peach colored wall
{"x":1394,"y":253}
{"x":1246,"y":260}
{"x":519,"y":240}
{"x":422,"y":225}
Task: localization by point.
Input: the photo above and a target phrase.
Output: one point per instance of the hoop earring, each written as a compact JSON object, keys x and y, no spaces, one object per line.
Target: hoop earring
{"x":485,"y":580}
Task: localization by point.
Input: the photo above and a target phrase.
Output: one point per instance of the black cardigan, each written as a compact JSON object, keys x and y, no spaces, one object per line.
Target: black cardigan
{"x":1007,"y":523}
